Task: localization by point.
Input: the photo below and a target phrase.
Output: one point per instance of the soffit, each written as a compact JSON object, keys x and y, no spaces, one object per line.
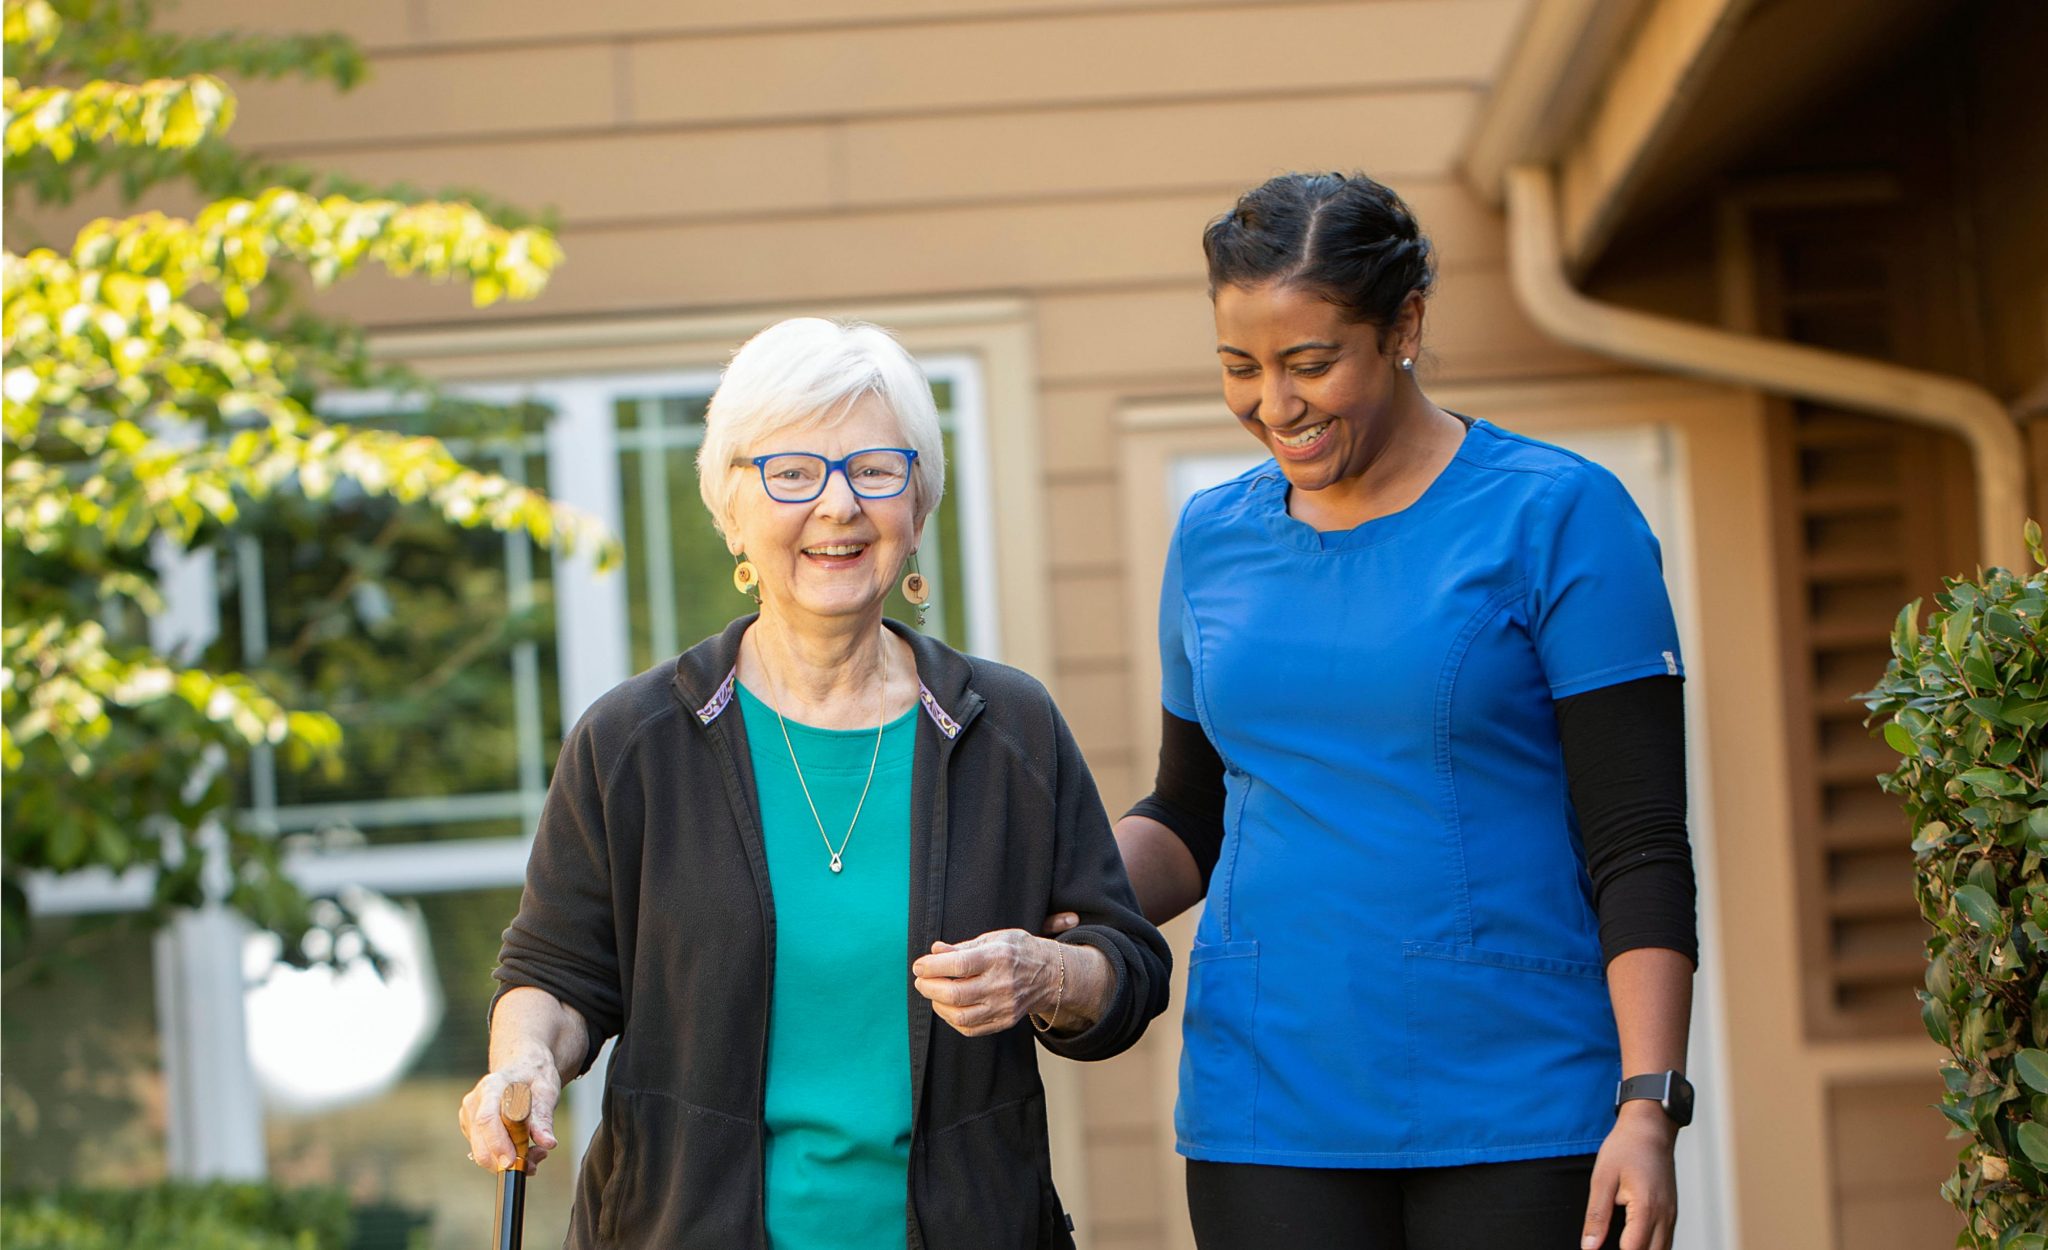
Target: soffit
{"x":1642,"y":103}
{"x":1782,"y":63}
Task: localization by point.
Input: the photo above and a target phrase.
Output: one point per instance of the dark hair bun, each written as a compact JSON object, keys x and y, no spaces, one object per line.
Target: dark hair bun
{"x":1347,"y":237}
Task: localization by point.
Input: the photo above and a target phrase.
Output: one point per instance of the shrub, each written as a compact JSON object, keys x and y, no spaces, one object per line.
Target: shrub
{"x":1965,"y":704}
{"x":218,"y":1216}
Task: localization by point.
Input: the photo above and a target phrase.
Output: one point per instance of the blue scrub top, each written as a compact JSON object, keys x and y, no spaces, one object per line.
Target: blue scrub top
{"x":1399,"y":964}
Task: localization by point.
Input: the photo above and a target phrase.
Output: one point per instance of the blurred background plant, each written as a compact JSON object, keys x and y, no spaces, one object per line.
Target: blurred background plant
{"x":190,"y":1217}
{"x":166,"y":389}
{"x":1965,"y":705}
{"x":161,"y":387}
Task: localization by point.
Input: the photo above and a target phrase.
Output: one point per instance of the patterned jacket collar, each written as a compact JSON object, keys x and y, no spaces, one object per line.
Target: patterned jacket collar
{"x":706,"y":674}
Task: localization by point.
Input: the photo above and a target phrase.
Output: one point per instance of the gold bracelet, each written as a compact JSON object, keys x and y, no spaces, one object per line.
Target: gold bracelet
{"x":1059,"y":995}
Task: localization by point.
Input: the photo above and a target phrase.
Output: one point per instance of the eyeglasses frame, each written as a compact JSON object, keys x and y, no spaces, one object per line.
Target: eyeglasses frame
{"x":838,"y":466}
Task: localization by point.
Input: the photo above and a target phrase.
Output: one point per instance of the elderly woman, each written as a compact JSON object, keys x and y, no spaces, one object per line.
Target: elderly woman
{"x":765,"y":866}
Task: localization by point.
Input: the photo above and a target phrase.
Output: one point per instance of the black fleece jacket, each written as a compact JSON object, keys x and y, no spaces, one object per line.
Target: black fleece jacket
{"x":647,"y":909}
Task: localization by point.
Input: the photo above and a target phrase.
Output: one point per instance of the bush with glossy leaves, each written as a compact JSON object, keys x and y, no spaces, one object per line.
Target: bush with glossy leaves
{"x":1965,"y":704}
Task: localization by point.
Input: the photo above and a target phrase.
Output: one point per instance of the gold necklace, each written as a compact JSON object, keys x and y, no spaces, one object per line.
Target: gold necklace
{"x":838,"y":853}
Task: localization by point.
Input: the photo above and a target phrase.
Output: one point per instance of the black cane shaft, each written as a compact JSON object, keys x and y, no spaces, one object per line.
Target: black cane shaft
{"x":510,"y":1230}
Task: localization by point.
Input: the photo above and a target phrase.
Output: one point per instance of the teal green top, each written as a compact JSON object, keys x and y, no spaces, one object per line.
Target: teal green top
{"x":838,"y":1086}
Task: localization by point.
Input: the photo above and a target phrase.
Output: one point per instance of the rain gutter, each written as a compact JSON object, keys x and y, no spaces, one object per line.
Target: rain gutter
{"x":1997,"y":451}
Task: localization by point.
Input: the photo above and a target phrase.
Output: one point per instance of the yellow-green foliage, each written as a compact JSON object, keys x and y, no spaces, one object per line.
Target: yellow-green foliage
{"x":159,"y":378}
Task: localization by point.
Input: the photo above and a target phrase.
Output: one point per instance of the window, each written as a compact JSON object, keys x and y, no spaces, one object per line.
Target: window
{"x":433,"y":646}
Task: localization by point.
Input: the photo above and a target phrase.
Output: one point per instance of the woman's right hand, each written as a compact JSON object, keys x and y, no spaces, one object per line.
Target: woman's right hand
{"x":490,"y":1145}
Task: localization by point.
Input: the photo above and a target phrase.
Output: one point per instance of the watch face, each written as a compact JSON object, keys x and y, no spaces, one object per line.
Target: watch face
{"x":1678,"y":1103}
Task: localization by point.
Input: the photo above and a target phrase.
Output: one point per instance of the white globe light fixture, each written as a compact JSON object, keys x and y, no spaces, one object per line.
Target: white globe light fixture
{"x":321,"y":1038}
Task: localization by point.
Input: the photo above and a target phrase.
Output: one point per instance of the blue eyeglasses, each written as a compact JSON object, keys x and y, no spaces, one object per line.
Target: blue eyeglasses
{"x":800,"y":476}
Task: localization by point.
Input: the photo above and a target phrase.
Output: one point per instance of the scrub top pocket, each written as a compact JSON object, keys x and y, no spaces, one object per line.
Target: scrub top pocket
{"x":1504,"y":1042}
{"x":1219,"y":1070}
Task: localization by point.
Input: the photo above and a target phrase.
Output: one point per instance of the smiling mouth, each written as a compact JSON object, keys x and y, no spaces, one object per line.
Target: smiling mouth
{"x":1303,"y":438}
{"x":835,"y":551}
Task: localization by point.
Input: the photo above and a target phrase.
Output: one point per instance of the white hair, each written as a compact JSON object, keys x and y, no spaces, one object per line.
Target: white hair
{"x":809,"y":373}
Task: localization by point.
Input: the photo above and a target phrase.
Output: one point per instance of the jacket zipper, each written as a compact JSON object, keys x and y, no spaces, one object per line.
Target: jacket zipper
{"x":759,"y":836}
{"x":935,"y":908}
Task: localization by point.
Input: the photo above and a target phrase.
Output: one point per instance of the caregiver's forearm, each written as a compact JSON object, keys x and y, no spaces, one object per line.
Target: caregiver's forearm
{"x":1162,"y":870}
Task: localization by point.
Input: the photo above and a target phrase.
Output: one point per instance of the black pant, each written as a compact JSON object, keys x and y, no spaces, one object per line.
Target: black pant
{"x":1532,"y":1204}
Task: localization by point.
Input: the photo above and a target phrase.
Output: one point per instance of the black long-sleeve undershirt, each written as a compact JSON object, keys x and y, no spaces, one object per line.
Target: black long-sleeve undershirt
{"x":1624,"y":759}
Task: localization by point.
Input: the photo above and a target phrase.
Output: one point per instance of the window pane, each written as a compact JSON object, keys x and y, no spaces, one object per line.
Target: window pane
{"x":678,"y":572}
{"x":397,"y":1150}
{"x":84,"y":1099}
{"x":432,"y":645}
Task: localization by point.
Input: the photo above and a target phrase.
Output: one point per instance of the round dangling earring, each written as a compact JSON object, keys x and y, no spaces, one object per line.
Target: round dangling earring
{"x":916,"y":590}
{"x":746,"y":578}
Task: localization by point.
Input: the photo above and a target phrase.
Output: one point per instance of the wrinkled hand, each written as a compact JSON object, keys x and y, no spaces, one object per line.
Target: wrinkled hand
{"x":1634,"y":1171}
{"x":490,"y":1146}
{"x":987,"y":984}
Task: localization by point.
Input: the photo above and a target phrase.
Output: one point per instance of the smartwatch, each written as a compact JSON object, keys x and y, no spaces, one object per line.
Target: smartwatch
{"x":1670,"y":1090}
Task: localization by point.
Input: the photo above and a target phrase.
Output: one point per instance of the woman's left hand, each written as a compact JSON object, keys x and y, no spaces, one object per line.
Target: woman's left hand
{"x":1634,"y":1171}
{"x":987,"y":984}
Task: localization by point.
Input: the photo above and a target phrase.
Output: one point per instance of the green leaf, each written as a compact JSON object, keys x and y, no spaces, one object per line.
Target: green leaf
{"x":2005,"y":623}
{"x":1980,"y":672}
{"x":2033,"y":1139}
{"x":1940,"y":984}
{"x":2032,"y":1066}
{"x":1981,"y":908}
{"x":1991,"y":781}
{"x":1955,"y":632}
{"x":2028,"y":716}
{"x":1906,"y":630}
{"x":1976,"y":1033}
{"x":1896,"y":737}
{"x":1930,"y":835}
{"x":1989,"y":708}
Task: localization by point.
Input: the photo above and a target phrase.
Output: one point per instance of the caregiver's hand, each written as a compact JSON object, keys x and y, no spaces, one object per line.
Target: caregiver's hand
{"x":1634,"y":1173}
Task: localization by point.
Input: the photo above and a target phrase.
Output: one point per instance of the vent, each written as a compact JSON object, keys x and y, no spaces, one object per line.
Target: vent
{"x":1870,"y":514}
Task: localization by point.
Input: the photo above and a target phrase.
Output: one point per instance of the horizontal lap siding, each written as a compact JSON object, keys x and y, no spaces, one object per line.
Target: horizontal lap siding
{"x":571,"y":84}
{"x":389,"y":25}
{"x":1095,"y":58}
{"x":779,"y":153}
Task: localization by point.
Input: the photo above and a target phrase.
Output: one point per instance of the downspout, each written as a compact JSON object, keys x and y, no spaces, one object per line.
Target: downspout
{"x":1997,"y":452}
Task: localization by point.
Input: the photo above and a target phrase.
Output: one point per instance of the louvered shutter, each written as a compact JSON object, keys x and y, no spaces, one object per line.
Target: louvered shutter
{"x":1870,"y":513}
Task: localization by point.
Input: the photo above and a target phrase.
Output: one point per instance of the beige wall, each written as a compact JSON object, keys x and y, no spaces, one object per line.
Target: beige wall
{"x":757,"y":156}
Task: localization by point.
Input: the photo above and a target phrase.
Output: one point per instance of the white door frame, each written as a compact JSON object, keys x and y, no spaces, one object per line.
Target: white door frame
{"x":1168,"y":442}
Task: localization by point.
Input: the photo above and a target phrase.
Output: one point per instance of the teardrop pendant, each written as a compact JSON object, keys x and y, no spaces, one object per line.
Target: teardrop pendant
{"x":836,"y":864}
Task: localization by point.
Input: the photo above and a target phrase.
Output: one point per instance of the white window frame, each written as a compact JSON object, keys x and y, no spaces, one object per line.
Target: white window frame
{"x":983,"y":348}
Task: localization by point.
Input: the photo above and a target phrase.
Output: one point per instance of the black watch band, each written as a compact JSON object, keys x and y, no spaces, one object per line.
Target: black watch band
{"x":1669,"y":1090}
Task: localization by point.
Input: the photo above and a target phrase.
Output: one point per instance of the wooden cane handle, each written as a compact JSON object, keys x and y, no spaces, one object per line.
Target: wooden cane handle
{"x":514,"y":1109}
